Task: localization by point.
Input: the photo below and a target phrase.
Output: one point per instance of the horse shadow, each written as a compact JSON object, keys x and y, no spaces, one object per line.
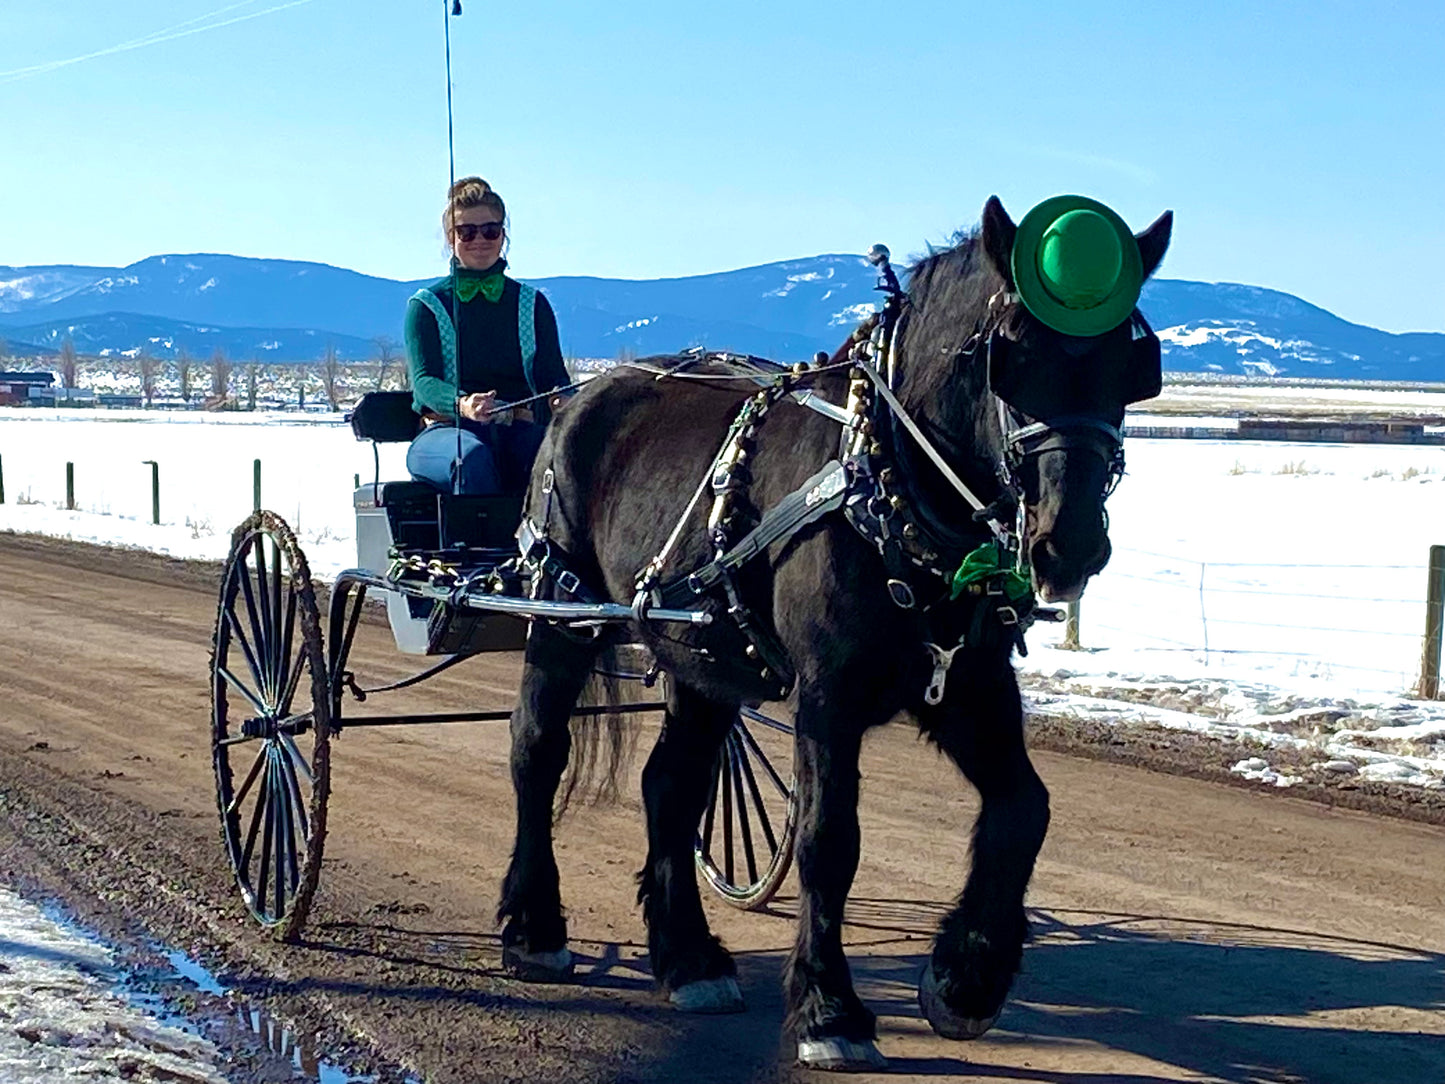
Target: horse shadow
{"x":1236,"y":1003}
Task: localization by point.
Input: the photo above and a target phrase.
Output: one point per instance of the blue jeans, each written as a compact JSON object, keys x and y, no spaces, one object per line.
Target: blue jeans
{"x":494,"y":458}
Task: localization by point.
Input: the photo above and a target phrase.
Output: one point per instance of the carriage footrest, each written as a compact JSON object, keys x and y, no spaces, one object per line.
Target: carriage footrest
{"x":456,"y":631}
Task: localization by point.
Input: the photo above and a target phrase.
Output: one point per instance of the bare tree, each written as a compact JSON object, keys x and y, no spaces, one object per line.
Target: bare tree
{"x":331,"y":377}
{"x":253,"y":376}
{"x":148,"y":369}
{"x":183,"y":373}
{"x":385,"y":355}
{"x":69,"y":363}
{"x":220,"y":376}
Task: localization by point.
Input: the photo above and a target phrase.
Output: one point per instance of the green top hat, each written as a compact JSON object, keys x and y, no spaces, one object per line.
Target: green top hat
{"x":1076,"y":266}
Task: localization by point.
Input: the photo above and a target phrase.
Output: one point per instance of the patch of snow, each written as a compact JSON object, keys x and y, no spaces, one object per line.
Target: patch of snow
{"x":1258,"y":769}
{"x":64,"y":1020}
{"x":853,"y":314}
{"x":632,"y":325}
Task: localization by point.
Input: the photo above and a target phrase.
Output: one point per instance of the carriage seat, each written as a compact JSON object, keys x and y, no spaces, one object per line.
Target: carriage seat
{"x":417,"y":515}
{"x":386,"y":417}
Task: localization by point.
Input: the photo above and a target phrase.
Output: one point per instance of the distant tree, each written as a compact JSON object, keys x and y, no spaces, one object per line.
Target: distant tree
{"x":253,"y":376}
{"x":69,"y":363}
{"x":302,"y":374}
{"x":183,"y":373}
{"x":4,"y":351}
{"x":220,"y":376}
{"x":385,"y":355}
{"x":331,"y":377}
{"x":148,"y":370}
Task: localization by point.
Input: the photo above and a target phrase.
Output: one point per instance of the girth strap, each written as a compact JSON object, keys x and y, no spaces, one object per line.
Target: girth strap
{"x":819,"y":495}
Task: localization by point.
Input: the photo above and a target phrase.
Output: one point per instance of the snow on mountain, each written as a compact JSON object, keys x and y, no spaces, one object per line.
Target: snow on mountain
{"x":289,"y":311}
{"x":128,"y":334}
{"x":21,"y":287}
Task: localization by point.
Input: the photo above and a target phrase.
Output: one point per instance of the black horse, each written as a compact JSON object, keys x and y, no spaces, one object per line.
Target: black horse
{"x":838,"y":615}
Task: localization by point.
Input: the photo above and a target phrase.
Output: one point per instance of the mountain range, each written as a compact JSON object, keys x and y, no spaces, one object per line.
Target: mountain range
{"x":284,"y":310}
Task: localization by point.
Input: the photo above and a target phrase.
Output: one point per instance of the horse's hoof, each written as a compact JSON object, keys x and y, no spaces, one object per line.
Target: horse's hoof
{"x":941,"y":1018}
{"x":840,"y":1055}
{"x":538,"y":966}
{"x":709,"y":996}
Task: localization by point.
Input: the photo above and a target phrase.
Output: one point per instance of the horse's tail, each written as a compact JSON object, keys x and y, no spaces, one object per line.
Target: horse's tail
{"x":603,"y":743}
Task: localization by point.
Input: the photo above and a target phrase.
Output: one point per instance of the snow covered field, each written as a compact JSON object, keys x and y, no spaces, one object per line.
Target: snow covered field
{"x":1273,"y":587}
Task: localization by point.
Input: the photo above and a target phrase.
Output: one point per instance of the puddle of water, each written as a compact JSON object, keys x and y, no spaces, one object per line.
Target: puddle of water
{"x":188,"y":1008}
{"x":273,"y":1034}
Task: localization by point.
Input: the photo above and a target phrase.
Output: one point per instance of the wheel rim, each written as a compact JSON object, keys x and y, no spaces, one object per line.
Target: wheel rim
{"x":745,"y":843}
{"x":269,"y":701}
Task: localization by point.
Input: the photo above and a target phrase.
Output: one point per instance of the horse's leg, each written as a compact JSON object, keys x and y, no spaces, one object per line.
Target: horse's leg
{"x":833,"y":1028}
{"x":688,"y":961}
{"x":534,"y":937}
{"x":980,"y":943}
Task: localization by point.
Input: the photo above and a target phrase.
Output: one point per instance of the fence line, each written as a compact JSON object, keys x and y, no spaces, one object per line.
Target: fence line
{"x":1225,"y":611}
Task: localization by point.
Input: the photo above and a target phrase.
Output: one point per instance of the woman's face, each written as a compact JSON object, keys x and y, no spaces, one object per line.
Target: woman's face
{"x":481,"y":251}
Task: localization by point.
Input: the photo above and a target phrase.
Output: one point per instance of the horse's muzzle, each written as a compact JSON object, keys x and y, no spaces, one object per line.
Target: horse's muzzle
{"x":1060,"y":574}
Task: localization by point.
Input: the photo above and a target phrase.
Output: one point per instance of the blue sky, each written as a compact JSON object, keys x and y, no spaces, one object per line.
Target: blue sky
{"x":1301,"y":145}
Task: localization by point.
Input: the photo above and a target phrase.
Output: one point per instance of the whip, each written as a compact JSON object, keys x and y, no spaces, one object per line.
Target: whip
{"x":449,"y":9}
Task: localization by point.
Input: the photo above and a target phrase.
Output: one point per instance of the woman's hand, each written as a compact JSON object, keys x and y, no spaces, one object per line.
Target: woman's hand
{"x":477,"y":407}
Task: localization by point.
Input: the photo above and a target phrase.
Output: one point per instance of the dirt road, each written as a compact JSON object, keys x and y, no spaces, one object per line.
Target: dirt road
{"x":1185,"y":930}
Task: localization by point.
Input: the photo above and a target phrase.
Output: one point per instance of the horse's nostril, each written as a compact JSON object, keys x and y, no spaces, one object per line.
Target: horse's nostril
{"x":1049,"y":561}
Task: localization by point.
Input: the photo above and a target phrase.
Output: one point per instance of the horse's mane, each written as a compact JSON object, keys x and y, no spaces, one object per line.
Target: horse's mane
{"x":962,"y":256}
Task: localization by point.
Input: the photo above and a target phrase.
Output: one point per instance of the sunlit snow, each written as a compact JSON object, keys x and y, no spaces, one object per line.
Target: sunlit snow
{"x":1266,"y":589}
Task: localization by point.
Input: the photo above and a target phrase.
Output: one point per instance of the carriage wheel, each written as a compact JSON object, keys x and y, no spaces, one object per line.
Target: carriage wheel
{"x":270,"y":726}
{"x":745,"y":844}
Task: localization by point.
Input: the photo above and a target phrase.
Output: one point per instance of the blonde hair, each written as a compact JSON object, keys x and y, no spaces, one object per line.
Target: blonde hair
{"x":466,"y":193}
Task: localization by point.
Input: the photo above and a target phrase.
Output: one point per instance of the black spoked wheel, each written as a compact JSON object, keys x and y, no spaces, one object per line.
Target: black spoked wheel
{"x":745,"y":844}
{"x":270,"y":727}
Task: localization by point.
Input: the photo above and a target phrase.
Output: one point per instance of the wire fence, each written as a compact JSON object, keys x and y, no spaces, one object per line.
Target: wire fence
{"x":1307,"y":619}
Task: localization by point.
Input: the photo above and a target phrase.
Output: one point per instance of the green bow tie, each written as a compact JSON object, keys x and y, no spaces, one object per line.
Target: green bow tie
{"x":489,"y":286}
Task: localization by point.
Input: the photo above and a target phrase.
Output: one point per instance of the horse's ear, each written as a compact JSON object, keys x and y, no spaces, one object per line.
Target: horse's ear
{"x":1154,"y":241}
{"x":998,"y":238}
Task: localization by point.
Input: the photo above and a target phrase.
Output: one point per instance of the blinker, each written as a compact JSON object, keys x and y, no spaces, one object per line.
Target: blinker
{"x":1042,"y":387}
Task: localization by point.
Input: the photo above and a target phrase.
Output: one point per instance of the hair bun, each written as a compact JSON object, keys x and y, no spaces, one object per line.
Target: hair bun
{"x":474,"y":186}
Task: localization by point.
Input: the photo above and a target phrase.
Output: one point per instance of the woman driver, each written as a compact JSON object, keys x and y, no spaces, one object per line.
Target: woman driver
{"x":494,"y":342}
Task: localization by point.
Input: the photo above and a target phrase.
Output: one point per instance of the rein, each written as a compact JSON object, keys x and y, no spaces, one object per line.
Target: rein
{"x":990,"y":580}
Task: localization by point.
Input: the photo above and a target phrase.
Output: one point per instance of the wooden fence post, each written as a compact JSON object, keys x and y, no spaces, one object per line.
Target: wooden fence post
{"x":70,"y":487}
{"x":256,"y":485}
{"x":1434,"y":618}
{"x":1071,"y":627}
{"x":2,"y":481}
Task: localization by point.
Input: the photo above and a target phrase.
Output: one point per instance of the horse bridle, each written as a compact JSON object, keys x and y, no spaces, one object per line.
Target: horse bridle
{"x":1022,"y":437}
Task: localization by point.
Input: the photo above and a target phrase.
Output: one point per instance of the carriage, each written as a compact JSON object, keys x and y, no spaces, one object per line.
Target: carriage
{"x":446,"y":568}
{"x":878,"y":551}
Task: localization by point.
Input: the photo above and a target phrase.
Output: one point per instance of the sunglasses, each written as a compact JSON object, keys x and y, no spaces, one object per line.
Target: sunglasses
{"x":467,"y":232}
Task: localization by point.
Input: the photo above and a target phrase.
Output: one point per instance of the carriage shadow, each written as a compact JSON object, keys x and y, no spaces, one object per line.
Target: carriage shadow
{"x":1237,"y":1003}
{"x":465,"y":954}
